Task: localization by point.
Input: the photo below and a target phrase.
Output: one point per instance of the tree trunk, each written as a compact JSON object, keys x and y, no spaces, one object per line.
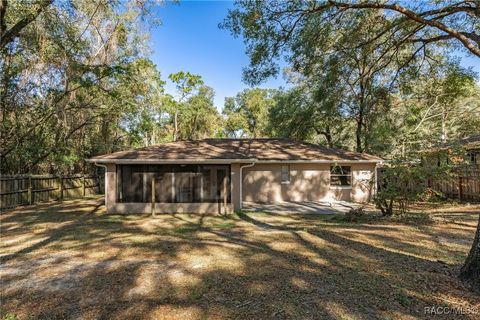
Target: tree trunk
{"x":327,"y":134}
{"x":470,"y":271}
{"x":175,"y":129}
{"x":358,"y":134}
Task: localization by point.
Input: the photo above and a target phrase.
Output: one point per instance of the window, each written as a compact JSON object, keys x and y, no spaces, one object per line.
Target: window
{"x":173,"y":183}
{"x":340,"y":176}
{"x":285,"y":174}
{"x":472,"y":157}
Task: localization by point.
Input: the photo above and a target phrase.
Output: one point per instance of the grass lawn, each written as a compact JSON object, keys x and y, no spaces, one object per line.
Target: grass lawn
{"x":70,"y":260}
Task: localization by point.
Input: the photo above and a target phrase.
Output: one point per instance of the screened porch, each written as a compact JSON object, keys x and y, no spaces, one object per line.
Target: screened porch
{"x":181,"y":183}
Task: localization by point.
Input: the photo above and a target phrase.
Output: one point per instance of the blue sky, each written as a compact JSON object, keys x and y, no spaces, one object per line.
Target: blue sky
{"x":189,"y":40}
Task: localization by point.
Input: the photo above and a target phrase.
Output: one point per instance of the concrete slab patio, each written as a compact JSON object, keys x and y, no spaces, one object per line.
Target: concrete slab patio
{"x":307,"y":207}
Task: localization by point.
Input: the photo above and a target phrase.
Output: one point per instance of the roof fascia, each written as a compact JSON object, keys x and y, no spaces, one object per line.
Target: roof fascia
{"x":215,"y":161}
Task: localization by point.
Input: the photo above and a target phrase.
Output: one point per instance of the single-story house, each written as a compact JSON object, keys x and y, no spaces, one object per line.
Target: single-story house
{"x":218,"y":175}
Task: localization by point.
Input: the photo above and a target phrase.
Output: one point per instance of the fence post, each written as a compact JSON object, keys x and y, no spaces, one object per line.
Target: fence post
{"x":60,"y":188}
{"x":83,"y":185}
{"x":17,"y":195}
{"x":31,"y":195}
{"x":460,"y":188}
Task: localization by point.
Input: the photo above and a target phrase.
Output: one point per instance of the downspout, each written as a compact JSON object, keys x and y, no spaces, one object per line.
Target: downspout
{"x":105,"y":186}
{"x":375,"y":187}
{"x":241,"y":181}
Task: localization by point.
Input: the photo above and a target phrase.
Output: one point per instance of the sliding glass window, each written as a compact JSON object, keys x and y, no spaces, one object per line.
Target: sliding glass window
{"x":173,"y":183}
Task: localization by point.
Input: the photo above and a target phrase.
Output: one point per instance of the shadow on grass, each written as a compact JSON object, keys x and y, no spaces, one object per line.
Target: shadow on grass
{"x":188,"y":266}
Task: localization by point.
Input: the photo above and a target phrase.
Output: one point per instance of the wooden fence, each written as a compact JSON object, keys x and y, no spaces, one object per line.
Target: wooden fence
{"x":465,"y":187}
{"x":29,"y":189}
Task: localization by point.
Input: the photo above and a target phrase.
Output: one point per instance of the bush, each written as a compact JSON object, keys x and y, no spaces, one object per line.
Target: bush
{"x":400,"y":184}
{"x":405,"y":182}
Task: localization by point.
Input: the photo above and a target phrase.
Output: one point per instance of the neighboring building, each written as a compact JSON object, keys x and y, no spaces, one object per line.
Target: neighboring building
{"x":217,"y":175}
{"x":462,"y":152}
{"x":464,"y":157}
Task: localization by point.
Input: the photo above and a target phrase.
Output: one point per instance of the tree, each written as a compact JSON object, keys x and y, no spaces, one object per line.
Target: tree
{"x":62,"y":65}
{"x":200,"y":119}
{"x":401,"y":35}
{"x":471,"y":268}
{"x":247,"y":113}
{"x":193,"y":114}
{"x":186,"y":84}
{"x":434,"y":107}
{"x":8,"y":35}
{"x":141,"y":92}
{"x":273,"y":29}
{"x":309,"y":112}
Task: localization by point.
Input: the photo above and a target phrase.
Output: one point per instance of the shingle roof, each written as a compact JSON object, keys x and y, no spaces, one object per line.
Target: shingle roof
{"x":468,"y":143}
{"x":235,"y":149}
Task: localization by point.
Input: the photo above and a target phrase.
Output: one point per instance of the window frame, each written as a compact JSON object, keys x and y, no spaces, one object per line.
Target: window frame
{"x":473,"y":157}
{"x":349,"y":175}
{"x":287,"y":180}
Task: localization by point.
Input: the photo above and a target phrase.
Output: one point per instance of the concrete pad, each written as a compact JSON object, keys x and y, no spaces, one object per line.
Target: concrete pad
{"x":307,"y":207}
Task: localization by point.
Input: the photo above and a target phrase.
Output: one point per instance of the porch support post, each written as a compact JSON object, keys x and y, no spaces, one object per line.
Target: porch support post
{"x":153,"y":197}
{"x":110,"y":187}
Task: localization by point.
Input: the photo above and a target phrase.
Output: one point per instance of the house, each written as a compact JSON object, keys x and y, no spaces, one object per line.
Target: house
{"x":463,"y":157}
{"x":218,"y":175}
{"x":465,"y":151}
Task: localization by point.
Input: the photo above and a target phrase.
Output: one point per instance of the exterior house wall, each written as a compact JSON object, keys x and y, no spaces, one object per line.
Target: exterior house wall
{"x":110,"y":187}
{"x":308,"y":182}
{"x":262,"y":184}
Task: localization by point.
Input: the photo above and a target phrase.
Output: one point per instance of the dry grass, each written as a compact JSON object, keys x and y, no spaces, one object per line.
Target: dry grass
{"x":70,"y":260}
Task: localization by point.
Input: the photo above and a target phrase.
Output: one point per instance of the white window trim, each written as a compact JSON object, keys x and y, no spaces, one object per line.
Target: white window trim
{"x":340,"y":187}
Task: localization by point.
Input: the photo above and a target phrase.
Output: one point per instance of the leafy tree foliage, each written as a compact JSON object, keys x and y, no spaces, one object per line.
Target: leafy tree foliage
{"x":68,"y":72}
{"x":272,"y":29}
{"x":247,"y":114}
{"x":193,"y":113}
{"x":434,"y":107}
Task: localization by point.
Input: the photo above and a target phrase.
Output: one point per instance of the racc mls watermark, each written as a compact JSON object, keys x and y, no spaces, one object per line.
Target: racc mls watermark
{"x":453,"y":311}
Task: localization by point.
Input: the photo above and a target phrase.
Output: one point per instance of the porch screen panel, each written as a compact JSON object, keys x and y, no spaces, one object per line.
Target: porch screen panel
{"x":174,"y":183}
{"x":131,"y":184}
{"x":163,"y":187}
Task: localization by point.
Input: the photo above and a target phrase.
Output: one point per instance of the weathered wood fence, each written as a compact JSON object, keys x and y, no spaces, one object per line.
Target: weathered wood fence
{"x":29,"y":189}
{"x":466,"y":186}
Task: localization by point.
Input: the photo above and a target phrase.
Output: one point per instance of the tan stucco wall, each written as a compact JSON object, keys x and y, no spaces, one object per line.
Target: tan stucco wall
{"x":110,"y":187}
{"x":308,"y":182}
{"x":207,"y":208}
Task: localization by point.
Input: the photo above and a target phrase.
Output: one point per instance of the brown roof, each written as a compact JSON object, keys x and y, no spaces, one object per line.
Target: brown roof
{"x":468,"y":143}
{"x":235,"y":149}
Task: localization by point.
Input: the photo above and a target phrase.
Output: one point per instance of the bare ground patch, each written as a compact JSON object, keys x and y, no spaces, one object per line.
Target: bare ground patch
{"x":70,"y":260}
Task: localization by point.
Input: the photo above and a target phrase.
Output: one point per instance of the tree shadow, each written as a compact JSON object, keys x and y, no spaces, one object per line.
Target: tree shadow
{"x":109,"y":266}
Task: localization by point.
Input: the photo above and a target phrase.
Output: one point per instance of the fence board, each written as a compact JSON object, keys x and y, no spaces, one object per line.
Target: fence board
{"x":28,"y":189}
{"x":465,"y":186}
